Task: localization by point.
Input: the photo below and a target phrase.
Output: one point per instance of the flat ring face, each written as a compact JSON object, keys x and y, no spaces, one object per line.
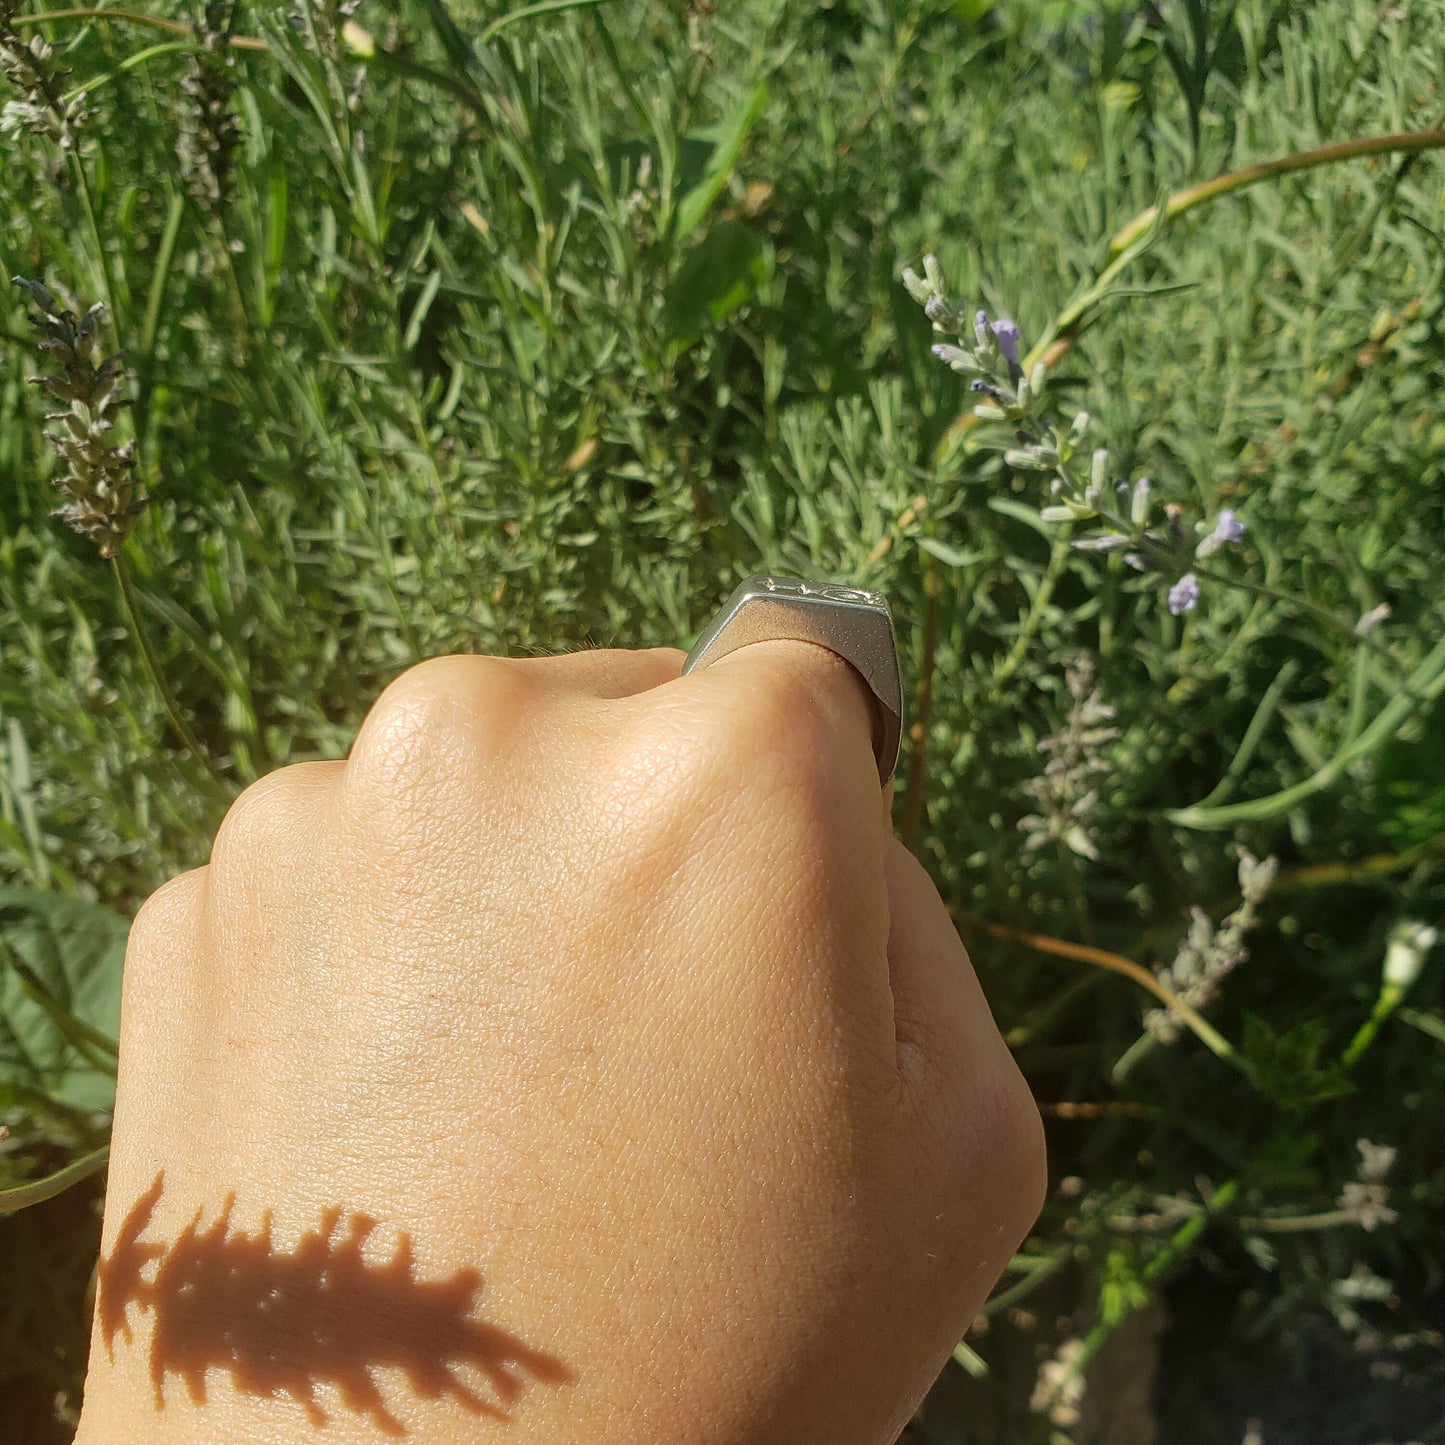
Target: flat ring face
{"x":854,"y":623}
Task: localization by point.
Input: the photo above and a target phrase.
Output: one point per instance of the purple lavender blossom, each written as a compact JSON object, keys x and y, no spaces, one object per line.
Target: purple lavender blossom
{"x":1007,"y":336}
{"x":1227,"y":528}
{"x":1184,"y":594}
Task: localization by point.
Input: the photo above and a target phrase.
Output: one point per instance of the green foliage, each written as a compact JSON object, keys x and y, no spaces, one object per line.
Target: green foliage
{"x":60,"y":996}
{"x":516,"y":334}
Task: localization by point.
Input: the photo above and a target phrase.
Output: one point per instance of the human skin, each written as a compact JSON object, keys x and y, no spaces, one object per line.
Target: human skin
{"x":645,"y":1079}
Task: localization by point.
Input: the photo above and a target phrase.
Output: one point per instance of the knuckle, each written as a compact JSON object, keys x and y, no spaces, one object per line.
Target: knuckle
{"x":169,"y":916}
{"x":436,"y":713}
{"x":262,"y":822}
{"x":798,"y":727}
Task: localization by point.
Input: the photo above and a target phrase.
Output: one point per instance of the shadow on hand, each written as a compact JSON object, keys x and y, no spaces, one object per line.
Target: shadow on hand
{"x":289,"y":1322}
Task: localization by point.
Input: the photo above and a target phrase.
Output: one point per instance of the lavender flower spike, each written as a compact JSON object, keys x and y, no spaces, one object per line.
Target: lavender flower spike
{"x":1184,"y":594}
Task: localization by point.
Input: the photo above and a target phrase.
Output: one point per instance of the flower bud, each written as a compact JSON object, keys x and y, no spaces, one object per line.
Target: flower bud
{"x":1405,"y":952}
{"x":1099,"y":473}
{"x":1139,"y":502}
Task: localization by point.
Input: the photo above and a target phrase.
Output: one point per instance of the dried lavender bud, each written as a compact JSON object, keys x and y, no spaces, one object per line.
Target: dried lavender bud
{"x":324,"y":21}
{"x":1207,"y":954}
{"x":1367,"y":1199}
{"x":27,"y":64}
{"x":1066,"y":790}
{"x":208,"y":128}
{"x":99,"y":479}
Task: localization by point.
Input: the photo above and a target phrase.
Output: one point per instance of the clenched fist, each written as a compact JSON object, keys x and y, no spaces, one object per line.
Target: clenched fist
{"x":582,"y":1060}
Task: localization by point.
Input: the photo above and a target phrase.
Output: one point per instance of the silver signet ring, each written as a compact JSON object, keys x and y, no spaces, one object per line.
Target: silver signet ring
{"x":850,"y":621}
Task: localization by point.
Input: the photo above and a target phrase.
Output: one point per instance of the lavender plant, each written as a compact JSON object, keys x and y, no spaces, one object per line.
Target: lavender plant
{"x":1099,"y":513}
{"x":105,"y":496}
{"x":43,"y":107}
{"x":208,"y":127}
{"x":539,"y":328}
{"x":1067,"y":789}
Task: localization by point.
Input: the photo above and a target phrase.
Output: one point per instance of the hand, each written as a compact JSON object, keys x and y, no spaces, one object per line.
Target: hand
{"x":582,"y":1060}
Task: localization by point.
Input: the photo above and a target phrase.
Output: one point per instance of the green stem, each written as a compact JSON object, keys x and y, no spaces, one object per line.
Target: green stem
{"x":102,"y":259}
{"x":131,"y":608}
{"x":1069,"y":868}
{"x":131,"y":17}
{"x":1428,"y":1024}
{"x":165,"y":47}
{"x":1145,"y":1044}
{"x":1297,"y":1223}
{"x":1332,"y":620}
{"x":1135,"y":238}
{"x":1179,"y":1245}
{"x":1188,"y":199}
{"x":358,"y":43}
{"x":1377,"y":865}
{"x":1392,"y":995}
{"x":1027,"y":1285}
{"x":1035,"y":617}
{"x":39,"y":1190}
{"x":1425,"y":683}
{"x":526,"y":12}
{"x":1322,"y":614}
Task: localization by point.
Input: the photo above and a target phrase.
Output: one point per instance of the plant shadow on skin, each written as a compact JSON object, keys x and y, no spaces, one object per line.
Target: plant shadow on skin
{"x":289,"y":1322}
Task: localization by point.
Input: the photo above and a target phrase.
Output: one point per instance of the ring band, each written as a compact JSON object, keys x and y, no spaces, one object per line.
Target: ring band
{"x":854,"y":623}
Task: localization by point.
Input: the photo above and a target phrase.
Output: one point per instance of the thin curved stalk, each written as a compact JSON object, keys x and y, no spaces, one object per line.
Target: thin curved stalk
{"x":134,"y":17}
{"x":1423,"y":685}
{"x":1231,"y":181}
{"x":1033,"y":620}
{"x":543,"y":7}
{"x":1116,"y":963}
{"x":172,"y":709}
{"x":22,"y":1196}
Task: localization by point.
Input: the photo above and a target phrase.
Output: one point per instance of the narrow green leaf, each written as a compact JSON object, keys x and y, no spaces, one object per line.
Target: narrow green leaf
{"x":457,"y":46}
{"x":949,"y":556}
{"x":165,"y":254}
{"x":1029,"y":516}
{"x":728,"y":142}
{"x":37,"y":1191}
{"x":544,"y":7}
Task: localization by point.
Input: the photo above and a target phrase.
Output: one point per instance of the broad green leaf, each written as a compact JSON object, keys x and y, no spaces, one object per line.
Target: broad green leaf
{"x":722,"y":273}
{"x":727,"y":141}
{"x":74,"y":951}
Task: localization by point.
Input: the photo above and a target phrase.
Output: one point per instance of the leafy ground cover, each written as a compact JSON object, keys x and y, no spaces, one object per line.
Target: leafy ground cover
{"x":517,"y":331}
